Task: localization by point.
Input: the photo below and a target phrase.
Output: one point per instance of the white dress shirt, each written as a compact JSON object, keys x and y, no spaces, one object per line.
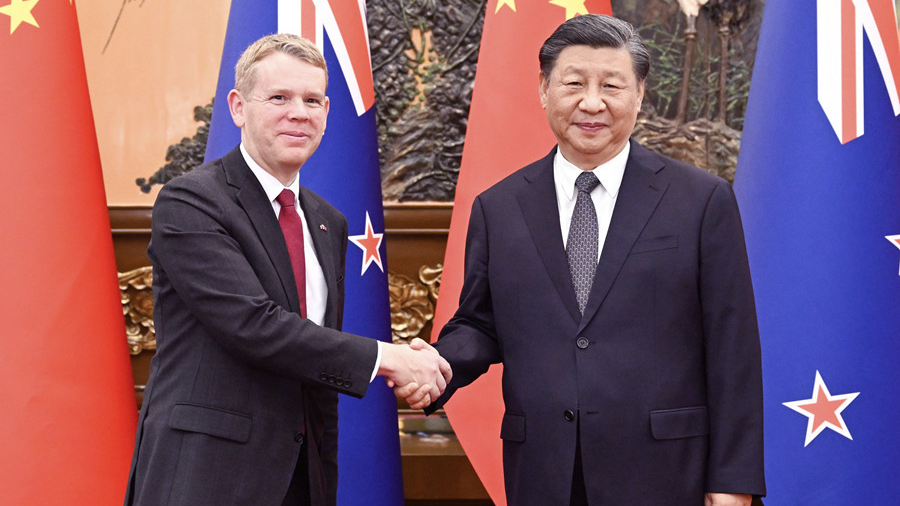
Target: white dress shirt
{"x":604,"y":195}
{"x":316,"y":288}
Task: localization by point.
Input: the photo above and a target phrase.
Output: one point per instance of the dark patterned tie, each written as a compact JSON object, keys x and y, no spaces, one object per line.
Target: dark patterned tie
{"x":292,"y":228}
{"x":582,"y":244}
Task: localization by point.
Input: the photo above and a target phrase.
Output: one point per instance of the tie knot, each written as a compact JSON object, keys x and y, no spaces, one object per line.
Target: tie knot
{"x":586,"y":182}
{"x":285,"y":198}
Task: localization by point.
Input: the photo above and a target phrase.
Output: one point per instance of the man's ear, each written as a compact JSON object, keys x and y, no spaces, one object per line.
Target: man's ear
{"x":542,"y":88}
{"x":640,"y":95}
{"x":236,"y":107}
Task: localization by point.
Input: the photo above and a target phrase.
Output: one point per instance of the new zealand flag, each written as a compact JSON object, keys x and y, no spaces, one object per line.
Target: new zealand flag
{"x":817,"y":181}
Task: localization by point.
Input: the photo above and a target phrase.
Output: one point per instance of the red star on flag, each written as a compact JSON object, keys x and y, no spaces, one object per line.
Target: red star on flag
{"x":823,"y":410}
{"x":895,"y":240}
{"x":370,"y":243}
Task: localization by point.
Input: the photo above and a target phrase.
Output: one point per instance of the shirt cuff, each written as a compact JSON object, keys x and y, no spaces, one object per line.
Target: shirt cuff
{"x":377,"y":361}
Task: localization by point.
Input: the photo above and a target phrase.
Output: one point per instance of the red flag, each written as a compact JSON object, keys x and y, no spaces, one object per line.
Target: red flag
{"x":68,"y":409}
{"x":507,"y":130}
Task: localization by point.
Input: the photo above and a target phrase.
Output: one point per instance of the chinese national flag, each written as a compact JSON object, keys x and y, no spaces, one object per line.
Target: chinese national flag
{"x":67,"y":407}
{"x":507,"y":130}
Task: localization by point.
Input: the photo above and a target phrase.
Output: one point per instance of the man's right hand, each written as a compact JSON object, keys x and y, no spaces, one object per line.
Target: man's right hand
{"x":417,"y":372}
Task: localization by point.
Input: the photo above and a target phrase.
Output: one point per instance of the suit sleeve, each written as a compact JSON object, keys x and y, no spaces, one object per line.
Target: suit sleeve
{"x":329,"y":401}
{"x":194,"y":245}
{"x":469,"y":341}
{"x":733,"y":368}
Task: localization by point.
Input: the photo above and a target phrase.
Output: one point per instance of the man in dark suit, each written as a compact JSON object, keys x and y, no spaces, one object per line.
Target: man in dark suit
{"x":634,"y":379}
{"x":241,"y":405}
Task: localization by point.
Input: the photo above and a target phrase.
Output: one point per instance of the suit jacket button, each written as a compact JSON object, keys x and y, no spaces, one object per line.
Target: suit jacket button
{"x":348,"y":384}
{"x":582,"y":342}
{"x":323,"y":377}
{"x":569,"y":415}
{"x":298,"y":437}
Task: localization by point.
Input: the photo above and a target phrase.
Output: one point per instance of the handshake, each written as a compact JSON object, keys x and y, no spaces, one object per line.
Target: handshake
{"x":416,"y":372}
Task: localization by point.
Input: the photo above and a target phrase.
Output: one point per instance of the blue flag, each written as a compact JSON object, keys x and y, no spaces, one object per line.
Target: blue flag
{"x":345,"y":171}
{"x":818,"y":181}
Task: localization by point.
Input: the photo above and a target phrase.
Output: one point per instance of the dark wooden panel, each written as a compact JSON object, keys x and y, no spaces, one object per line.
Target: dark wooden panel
{"x":416,"y":235}
{"x":131,"y":235}
{"x":435,"y":469}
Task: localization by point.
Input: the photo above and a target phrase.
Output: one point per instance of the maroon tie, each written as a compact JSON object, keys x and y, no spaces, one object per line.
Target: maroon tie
{"x":292,"y":228}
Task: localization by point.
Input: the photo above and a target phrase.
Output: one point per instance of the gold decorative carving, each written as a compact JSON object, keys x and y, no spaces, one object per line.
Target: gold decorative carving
{"x":412,"y":305}
{"x":412,"y":302}
{"x":136,"y":288}
{"x":431,"y":276}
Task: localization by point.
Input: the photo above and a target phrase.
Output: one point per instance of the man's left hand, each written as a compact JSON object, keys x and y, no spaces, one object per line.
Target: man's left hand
{"x":727,"y":500}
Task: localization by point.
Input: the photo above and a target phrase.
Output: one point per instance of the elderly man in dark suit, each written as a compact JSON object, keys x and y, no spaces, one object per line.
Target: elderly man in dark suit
{"x":241,"y":405}
{"x":612,"y":283}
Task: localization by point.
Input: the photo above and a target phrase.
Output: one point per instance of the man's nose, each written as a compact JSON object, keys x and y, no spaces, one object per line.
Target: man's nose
{"x":298,"y":110}
{"x":592,"y":101}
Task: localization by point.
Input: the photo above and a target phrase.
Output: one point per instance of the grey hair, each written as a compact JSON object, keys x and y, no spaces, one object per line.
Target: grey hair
{"x":596,"y":31}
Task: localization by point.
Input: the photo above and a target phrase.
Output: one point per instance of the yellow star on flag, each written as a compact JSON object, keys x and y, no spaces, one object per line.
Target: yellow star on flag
{"x":509,"y":3}
{"x":19,"y":11}
{"x":573,"y":7}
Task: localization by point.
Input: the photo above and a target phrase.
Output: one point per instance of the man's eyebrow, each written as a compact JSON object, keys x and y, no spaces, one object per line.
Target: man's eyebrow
{"x":577,"y":69}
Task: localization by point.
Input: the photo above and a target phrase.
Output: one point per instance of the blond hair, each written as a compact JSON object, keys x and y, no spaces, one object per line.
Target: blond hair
{"x":293,"y":45}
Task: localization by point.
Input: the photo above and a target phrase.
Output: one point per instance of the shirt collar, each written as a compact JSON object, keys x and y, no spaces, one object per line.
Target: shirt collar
{"x":270,"y":184}
{"x":610,"y":173}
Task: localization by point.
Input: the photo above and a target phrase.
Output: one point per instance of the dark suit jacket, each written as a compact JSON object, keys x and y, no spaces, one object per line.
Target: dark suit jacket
{"x":238,"y":373}
{"x":663,"y":370}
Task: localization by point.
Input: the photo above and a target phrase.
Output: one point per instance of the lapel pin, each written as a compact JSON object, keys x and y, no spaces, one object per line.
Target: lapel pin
{"x":323,"y":227}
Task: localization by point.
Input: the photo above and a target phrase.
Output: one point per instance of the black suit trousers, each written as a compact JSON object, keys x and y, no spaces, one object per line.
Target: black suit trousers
{"x":298,"y":490}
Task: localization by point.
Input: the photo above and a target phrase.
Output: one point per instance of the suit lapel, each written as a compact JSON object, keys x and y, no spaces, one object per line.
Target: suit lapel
{"x":320,"y":229}
{"x":253,"y":200}
{"x":638,"y":198}
{"x":537,"y":201}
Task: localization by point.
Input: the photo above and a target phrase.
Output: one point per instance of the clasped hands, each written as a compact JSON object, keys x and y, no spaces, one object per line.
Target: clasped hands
{"x":416,"y":372}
